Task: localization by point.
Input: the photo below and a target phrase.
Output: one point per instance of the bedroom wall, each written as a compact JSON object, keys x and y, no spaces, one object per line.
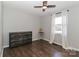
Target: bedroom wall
{"x":16,"y":20}
{"x":73,"y":28}
{"x":1,"y":29}
{"x":46,"y":26}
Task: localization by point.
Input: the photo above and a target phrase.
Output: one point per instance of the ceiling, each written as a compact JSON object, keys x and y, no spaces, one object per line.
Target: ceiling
{"x":27,"y":6}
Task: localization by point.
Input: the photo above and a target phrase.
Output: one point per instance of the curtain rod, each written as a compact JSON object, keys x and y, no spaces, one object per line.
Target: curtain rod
{"x":61,"y":12}
{"x":58,"y":12}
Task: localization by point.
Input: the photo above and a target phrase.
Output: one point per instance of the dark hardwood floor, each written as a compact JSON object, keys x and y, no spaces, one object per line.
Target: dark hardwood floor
{"x":39,"y":48}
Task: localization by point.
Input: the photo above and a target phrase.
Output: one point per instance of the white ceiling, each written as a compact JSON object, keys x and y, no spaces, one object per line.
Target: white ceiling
{"x":27,"y":6}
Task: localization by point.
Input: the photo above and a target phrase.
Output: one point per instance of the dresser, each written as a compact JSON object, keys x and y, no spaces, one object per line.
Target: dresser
{"x":19,"y":38}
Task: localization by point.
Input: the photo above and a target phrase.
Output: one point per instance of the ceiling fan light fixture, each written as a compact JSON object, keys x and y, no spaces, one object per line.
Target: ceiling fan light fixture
{"x":44,"y":7}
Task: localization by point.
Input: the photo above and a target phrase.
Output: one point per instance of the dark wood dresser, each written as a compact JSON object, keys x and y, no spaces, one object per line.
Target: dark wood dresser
{"x":19,"y":38}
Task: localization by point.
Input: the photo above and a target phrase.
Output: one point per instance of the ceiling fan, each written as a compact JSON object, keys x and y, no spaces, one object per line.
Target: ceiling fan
{"x":45,"y":6}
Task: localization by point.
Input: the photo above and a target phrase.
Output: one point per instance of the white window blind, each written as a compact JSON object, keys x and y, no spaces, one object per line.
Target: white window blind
{"x":58,"y":24}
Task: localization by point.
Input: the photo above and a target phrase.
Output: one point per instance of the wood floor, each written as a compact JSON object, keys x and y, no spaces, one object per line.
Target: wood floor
{"x":39,"y":48}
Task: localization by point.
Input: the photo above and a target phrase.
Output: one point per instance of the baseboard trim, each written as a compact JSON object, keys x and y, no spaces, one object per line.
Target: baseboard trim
{"x":34,"y":39}
{"x":1,"y":55}
{"x":5,"y":46}
{"x":75,"y":49}
{"x":2,"y":52}
{"x":57,"y":43}
{"x":70,"y":48}
{"x":46,"y":39}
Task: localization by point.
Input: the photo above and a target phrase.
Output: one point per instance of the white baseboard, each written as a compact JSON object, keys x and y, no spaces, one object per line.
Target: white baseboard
{"x":46,"y":39}
{"x":5,"y":46}
{"x":51,"y":42}
{"x":35,"y":39}
{"x":70,"y":48}
{"x":75,"y":49}
{"x":1,"y":52}
{"x":57,"y":43}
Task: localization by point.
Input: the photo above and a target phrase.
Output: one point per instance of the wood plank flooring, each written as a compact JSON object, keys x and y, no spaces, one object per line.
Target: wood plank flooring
{"x":39,"y":48}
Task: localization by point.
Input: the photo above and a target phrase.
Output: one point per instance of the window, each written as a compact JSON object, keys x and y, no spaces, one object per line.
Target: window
{"x":58,"y":20}
{"x":58,"y":25}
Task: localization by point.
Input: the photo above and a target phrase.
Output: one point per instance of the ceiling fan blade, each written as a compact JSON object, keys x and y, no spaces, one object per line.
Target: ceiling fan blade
{"x":37,"y":6}
{"x":51,"y":6}
{"x":44,"y":3}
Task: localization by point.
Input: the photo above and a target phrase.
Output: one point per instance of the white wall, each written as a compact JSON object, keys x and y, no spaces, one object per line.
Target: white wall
{"x":73,"y":27}
{"x":46,"y":25}
{"x":16,"y":20}
{"x":0,"y":28}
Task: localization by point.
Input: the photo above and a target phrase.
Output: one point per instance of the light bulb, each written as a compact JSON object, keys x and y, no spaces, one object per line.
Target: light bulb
{"x":44,"y":7}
